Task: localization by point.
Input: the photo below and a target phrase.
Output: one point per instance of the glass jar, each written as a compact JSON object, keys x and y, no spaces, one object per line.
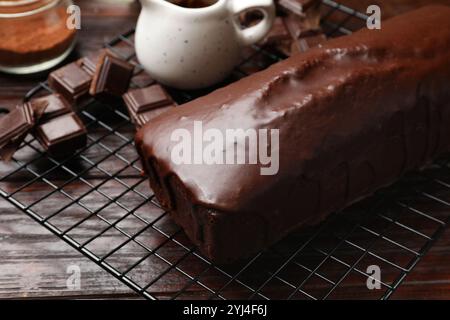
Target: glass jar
{"x":34,"y":35}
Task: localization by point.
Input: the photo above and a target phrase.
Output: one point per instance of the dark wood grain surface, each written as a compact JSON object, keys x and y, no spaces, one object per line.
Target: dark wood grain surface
{"x":34,"y":263}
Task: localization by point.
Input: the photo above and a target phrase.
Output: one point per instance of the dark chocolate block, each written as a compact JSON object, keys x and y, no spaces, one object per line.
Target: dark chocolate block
{"x":112,"y":77}
{"x":56,"y":106}
{"x":63,"y":135}
{"x":140,"y":100}
{"x":71,"y":81}
{"x":15,"y":124}
{"x":353,"y":116}
{"x":147,"y":103}
{"x":142,"y":80}
{"x":90,"y":62}
{"x":298,"y":27}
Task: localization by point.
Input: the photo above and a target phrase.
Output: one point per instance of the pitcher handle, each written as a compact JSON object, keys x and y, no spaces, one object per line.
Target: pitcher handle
{"x":255,"y":33}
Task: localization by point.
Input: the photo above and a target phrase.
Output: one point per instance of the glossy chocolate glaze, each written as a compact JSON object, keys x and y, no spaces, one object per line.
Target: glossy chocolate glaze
{"x":353,"y":116}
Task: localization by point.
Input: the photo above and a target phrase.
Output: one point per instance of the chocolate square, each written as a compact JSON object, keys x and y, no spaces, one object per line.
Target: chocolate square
{"x":56,"y":106}
{"x":71,"y":81}
{"x":112,"y":77}
{"x":301,"y":27}
{"x":147,"y":103}
{"x":142,"y":80}
{"x":62,"y":135}
{"x":141,"y":100}
{"x":15,"y":124}
{"x":90,"y":62}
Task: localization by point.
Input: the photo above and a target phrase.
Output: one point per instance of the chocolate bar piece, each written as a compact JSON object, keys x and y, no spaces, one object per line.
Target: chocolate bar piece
{"x":298,"y":27}
{"x":112,"y":77}
{"x":15,"y":126}
{"x":142,"y":80}
{"x":147,"y":103}
{"x":90,"y":62}
{"x":16,"y":123}
{"x":140,"y":100}
{"x":62,"y":135}
{"x":350,"y":117}
{"x":305,"y":32}
{"x":71,"y":81}
{"x":56,"y":106}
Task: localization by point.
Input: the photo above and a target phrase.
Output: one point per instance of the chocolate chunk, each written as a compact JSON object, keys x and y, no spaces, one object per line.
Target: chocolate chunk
{"x":142,"y":79}
{"x":56,"y":106}
{"x":112,"y":77}
{"x":298,"y":27}
{"x":15,"y":126}
{"x":140,"y":100}
{"x":147,"y":103}
{"x":62,"y":135}
{"x":90,"y":62}
{"x":16,"y":123}
{"x":305,"y":32}
{"x":71,"y":81}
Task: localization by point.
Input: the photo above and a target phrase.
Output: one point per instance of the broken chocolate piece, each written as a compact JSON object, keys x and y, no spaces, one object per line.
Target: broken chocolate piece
{"x":90,"y":62}
{"x":147,"y":103}
{"x":15,"y":126}
{"x":112,"y":77}
{"x":298,"y":27}
{"x":71,"y":81}
{"x":305,"y":32}
{"x":56,"y":106}
{"x":142,"y":79}
{"x":62,"y":135}
{"x":140,"y":100}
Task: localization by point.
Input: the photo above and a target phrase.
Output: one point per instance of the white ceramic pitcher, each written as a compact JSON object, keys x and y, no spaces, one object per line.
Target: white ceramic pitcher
{"x":189,"y":48}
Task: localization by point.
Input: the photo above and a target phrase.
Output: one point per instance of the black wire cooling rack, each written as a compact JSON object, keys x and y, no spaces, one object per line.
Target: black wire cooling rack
{"x":98,"y":202}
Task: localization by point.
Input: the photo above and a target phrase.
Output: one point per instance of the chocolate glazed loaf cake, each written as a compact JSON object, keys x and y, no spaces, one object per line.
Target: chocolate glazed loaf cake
{"x":353,"y":116}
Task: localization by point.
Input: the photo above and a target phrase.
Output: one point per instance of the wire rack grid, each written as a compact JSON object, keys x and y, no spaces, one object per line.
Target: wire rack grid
{"x":98,"y":202}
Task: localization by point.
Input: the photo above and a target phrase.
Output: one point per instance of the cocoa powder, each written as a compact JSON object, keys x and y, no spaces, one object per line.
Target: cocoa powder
{"x":35,"y":38}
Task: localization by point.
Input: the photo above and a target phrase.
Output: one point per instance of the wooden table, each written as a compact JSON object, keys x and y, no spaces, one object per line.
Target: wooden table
{"x":34,"y":262}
